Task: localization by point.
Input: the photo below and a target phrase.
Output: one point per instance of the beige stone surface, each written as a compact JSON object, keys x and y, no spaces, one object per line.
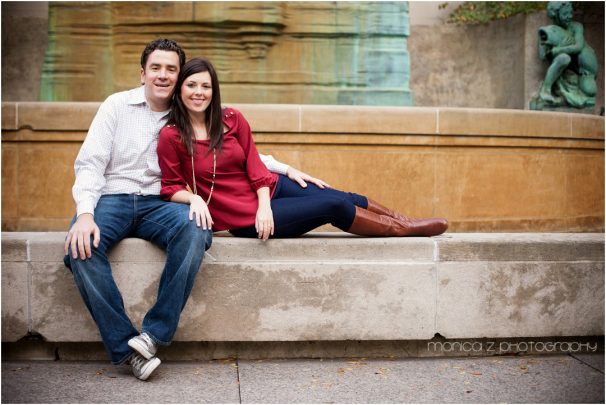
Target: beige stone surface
{"x":485,"y":178}
{"x":310,"y":301}
{"x":329,"y":247}
{"x":500,"y":183}
{"x":584,"y":126}
{"x":14,"y":246}
{"x":15,"y":295}
{"x":57,"y":309}
{"x":271,"y":117}
{"x":56,"y":116}
{"x":508,"y":299}
{"x":369,"y":120}
{"x":46,"y":175}
{"x":497,"y":122}
{"x":9,"y":116}
{"x":458,"y":285}
{"x":520,"y":247}
{"x":10,"y":181}
{"x":584,"y":181}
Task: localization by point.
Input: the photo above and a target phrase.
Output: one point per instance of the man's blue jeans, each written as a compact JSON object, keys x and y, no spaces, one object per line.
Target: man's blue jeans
{"x":167,"y":225}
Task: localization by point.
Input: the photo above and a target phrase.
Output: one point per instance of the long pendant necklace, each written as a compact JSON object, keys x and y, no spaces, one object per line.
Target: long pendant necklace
{"x":193,"y":174}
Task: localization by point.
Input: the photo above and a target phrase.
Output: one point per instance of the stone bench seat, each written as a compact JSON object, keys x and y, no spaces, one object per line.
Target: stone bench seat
{"x":329,"y":287}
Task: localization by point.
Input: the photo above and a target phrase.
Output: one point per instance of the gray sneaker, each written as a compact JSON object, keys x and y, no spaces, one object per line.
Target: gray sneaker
{"x":142,"y":368}
{"x":144,"y":345}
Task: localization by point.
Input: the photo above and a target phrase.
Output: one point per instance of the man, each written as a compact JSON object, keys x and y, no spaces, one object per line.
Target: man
{"x":116,"y":192}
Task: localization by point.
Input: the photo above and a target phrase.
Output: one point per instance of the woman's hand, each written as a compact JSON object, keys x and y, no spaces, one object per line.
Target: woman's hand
{"x":199,"y":210}
{"x":264,"y":221}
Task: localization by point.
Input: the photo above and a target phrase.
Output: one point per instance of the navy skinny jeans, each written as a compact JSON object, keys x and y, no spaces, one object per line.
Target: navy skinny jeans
{"x":298,"y":210}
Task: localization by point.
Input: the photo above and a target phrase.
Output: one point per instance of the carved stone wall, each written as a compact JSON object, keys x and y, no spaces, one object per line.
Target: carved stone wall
{"x":485,"y":170}
{"x":264,"y":52}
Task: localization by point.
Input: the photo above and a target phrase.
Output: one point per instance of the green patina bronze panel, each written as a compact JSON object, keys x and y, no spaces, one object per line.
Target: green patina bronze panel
{"x":265,"y":52}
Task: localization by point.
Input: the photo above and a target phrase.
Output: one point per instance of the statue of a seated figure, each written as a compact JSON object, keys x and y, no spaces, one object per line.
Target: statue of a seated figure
{"x":571,"y":77}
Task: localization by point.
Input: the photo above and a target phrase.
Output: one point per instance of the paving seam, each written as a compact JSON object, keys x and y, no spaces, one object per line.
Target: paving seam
{"x":30,"y":321}
{"x":239,"y":383}
{"x":588,"y":365}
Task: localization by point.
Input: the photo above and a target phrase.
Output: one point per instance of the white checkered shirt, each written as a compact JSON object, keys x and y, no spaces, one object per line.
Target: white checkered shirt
{"x":119,"y":152}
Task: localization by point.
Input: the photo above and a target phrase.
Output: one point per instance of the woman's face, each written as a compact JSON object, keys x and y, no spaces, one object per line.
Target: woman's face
{"x":197,"y":92}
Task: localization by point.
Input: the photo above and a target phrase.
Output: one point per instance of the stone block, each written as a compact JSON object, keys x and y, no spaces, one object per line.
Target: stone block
{"x":282,"y":301}
{"x":329,"y":287}
{"x":134,"y":250}
{"x":10,"y":181}
{"x":325,"y":247}
{"x":271,"y":117}
{"x":47,"y":196}
{"x":9,"y":116}
{"x":127,"y":13}
{"x":520,"y":247}
{"x":587,"y":126}
{"x":496,"y":122}
{"x":385,"y":120}
{"x":57,"y":309}
{"x":488,"y":184}
{"x":46,"y":247}
{"x":584,"y":184}
{"x":14,"y":247}
{"x":508,"y":299}
{"x":57,"y":115}
{"x":15,"y":316}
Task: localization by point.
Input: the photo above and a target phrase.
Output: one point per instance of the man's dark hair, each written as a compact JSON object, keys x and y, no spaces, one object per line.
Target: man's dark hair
{"x":163,"y":45}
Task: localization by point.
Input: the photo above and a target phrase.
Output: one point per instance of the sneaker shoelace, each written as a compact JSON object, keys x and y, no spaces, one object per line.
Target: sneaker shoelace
{"x":137,"y":361}
{"x":148,"y":341}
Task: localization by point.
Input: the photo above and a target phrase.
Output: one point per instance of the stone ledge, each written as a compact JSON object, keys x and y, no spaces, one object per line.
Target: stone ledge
{"x":329,"y":287}
{"x":330,"y":119}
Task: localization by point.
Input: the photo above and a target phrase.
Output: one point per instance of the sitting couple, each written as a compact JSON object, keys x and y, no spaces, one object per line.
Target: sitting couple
{"x":215,"y":180}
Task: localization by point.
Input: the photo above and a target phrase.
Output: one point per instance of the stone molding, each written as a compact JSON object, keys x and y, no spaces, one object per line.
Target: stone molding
{"x":328,"y":119}
{"x":485,"y":170}
{"x":329,"y":287}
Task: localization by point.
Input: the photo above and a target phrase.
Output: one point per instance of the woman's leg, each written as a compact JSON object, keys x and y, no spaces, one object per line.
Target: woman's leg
{"x":299,"y":210}
{"x":296,"y":216}
{"x":288,"y":188}
{"x":365,"y":222}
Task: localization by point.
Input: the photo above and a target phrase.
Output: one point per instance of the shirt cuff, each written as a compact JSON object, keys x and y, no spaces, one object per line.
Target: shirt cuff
{"x":274,"y":166}
{"x":85,"y":207}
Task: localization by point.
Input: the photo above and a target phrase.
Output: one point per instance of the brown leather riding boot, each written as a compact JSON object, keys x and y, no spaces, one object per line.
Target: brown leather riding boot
{"x":408,"y":226}
{"x":368,"y":223}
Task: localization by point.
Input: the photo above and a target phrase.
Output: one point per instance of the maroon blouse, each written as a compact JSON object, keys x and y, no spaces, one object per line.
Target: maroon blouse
{"x":240,"y":172}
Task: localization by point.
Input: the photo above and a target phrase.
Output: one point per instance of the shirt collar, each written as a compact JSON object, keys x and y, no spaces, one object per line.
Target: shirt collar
{"x":137,"y":96}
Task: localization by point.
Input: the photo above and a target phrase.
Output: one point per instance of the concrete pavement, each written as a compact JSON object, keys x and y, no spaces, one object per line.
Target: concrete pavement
{"x":577,"y":378}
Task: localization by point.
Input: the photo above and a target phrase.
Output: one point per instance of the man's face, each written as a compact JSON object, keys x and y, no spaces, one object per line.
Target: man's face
{"x":159,"y":78}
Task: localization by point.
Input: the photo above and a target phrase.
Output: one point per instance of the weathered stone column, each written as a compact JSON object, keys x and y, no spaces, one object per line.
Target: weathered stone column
{"x":78,"y":61}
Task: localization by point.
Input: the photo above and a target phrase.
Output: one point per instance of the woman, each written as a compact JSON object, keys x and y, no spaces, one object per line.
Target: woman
{"x":208,"y":151}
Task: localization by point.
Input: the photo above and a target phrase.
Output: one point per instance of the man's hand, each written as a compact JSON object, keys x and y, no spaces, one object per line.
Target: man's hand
{"x":78,"y":237}
{"x":301,"y":178}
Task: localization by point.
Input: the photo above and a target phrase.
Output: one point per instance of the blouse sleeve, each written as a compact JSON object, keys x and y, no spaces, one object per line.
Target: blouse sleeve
{"x":170,"y":164}
{"x":258,"y":175}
